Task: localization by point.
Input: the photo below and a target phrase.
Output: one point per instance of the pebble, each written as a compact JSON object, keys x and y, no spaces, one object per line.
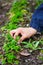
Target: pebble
{"x":27,"y":25}
{"x":26,"y":60}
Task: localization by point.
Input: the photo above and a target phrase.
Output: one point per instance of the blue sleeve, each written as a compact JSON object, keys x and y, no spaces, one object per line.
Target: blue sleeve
{"x":37,"y":19}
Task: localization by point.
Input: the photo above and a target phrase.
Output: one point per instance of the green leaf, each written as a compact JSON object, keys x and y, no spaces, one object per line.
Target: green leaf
{"x":3,"y":61}
{"x":36,"y":44}
{"x":29,"y":45}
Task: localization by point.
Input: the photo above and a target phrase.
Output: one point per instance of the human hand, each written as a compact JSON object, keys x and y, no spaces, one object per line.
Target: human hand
{"x":25,"y":33}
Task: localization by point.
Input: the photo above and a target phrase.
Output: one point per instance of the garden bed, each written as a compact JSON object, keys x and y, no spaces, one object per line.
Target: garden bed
{"x":35,"y":57}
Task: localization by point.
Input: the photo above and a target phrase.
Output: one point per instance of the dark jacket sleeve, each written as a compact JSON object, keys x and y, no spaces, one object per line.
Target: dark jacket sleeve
{"x":37,"y":19}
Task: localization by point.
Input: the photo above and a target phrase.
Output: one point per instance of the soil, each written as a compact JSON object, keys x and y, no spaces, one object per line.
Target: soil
{"x":31,"y":59}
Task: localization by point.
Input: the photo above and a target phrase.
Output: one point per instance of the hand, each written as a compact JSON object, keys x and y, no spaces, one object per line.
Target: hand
{"x":25,"y":33}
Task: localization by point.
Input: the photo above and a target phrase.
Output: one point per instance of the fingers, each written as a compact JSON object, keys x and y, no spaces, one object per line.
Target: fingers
{"x":16,"y":34}
{"x":12,"y":32}
{"x":21,"y":39}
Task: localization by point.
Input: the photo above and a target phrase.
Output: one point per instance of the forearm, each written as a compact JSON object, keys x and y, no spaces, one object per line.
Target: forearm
{"x":37,"y":19}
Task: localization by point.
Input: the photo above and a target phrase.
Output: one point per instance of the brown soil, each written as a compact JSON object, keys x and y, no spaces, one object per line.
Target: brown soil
{"x":31,"y":59}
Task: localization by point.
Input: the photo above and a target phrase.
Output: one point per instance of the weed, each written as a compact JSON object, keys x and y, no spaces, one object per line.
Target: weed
{"x":31,"y":45}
